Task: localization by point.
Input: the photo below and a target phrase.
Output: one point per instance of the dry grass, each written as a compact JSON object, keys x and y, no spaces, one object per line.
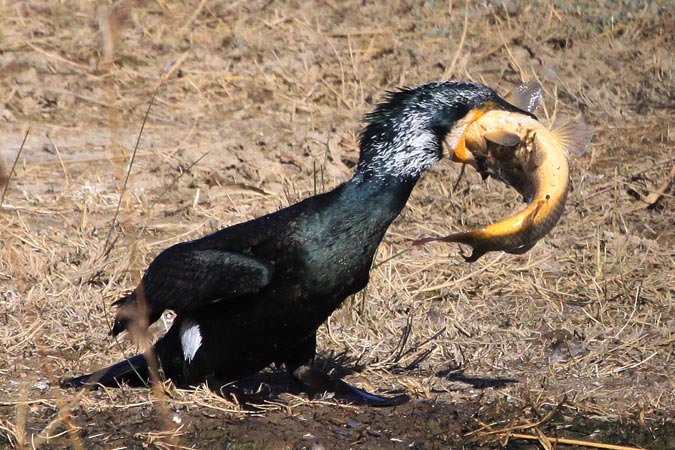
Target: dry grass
{"x":259,"y":108}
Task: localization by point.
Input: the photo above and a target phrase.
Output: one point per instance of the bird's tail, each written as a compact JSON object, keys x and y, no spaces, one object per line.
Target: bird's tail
{"x":133,"y":372}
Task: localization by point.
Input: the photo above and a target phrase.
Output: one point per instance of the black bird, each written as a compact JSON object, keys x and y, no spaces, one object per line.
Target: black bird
{"x":255,"y":293}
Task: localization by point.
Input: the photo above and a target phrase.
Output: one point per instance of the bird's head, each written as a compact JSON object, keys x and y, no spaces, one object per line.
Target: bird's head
{"x":405,"y":132}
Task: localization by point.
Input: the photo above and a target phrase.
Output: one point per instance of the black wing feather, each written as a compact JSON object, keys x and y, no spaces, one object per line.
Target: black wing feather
{"x":184,"y":278}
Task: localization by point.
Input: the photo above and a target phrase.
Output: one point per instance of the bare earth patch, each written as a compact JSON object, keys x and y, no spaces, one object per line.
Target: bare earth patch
{"x":259,"y":108}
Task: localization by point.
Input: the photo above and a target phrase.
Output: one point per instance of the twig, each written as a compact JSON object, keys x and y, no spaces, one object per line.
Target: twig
{"x":653,"y":197}
{"x":459,"y":281}
{"x":85,"y":98}
{"x":63,"y":162}
{"x":523,"y":426}
{"x":465,"y":27}
{"x":58,"y":155}
{"x":394,"y":256}
{"x":165,"y":69}
{"x":178,"y":177}
{"x":57,"y":57}
{"x":566,"y":441}
{"x":521,"y":72}
{"x":629,"y":366}
{"x":192,"y":18}
{"x":355,"y":33}
{"x":11,"y":171}
{"x":459,"y":178}
{"x":398,"y":354}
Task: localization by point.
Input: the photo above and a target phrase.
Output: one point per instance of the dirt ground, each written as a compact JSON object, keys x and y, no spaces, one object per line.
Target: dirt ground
{"x":257,"y":105}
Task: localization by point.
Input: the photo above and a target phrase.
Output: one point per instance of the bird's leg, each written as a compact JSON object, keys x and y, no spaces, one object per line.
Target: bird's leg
{"x":300,"y":367}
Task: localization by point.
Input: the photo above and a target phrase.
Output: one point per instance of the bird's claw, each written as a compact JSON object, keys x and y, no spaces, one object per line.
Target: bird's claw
{"x":371,"y":399}
{"x":314,"y":380}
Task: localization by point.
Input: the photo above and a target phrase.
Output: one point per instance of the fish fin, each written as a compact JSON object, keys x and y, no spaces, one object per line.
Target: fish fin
{"x":502,"y":137}
{"x":476,"y":253}
{"x":529,"y":220}
{"x":574,"y":137}
{"x":527,"y":223}
{"x":527,"y":96}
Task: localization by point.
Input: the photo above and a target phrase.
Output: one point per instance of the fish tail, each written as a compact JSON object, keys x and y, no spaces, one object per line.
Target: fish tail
{"x":462,"y":237}
{"x":470,"y":238}
{"x":423,"y":241}
{"x":133,"y":372}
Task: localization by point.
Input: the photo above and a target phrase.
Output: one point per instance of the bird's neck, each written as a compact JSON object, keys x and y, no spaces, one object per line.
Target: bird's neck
{"x":344,"y":227}
{"x":375,"y":200}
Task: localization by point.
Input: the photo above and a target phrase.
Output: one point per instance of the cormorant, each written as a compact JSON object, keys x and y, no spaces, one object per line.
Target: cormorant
{"x":255,"y":293}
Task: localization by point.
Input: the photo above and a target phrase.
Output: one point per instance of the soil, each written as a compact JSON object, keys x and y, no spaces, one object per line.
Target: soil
{"x":256,"y":105}
{"x":421,"y":424}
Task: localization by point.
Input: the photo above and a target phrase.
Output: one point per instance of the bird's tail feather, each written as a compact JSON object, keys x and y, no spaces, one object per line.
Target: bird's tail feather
{"x":133,"y":372}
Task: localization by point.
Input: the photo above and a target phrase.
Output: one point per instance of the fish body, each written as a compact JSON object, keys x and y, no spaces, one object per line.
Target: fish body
{"x":521,"y":152}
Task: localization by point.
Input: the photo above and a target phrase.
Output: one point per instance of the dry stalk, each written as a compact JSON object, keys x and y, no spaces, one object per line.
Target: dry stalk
{"x":548,"y":442}
{"x":5,"y":178}
{"x":165,"y":69}
{"x":450,"y":71}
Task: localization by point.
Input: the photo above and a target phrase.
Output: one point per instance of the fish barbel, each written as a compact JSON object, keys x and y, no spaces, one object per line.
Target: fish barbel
{"x":518,"y":150}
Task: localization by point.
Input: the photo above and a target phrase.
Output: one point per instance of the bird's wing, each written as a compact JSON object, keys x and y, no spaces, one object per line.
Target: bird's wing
{"x":183,"y":278}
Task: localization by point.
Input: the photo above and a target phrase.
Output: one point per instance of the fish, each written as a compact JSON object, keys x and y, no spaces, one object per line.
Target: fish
{"x":517,"y":149}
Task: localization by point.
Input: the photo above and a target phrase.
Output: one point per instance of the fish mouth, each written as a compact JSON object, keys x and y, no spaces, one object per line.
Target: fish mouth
{"x":457,"y":140}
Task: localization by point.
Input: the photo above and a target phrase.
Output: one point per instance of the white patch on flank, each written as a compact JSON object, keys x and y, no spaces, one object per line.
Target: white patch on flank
{"x":190,"y":339}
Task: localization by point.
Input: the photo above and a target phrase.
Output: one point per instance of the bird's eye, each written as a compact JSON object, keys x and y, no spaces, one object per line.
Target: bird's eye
{"x":481,"y":105}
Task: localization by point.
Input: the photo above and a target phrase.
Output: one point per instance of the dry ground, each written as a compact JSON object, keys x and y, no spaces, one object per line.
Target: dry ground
{"x":260,"y":108}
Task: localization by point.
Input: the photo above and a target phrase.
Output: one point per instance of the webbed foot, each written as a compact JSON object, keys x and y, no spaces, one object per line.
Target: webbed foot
{"x":316,"y":381}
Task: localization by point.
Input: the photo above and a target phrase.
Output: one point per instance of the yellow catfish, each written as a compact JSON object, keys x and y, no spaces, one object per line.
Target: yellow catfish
{"x":517,"y":149}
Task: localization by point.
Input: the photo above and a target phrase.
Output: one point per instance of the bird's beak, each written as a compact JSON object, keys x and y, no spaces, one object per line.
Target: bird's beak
{"x":459,"y":152}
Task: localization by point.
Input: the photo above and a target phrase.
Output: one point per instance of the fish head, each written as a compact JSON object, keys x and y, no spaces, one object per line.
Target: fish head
{"x":467,"y":138}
